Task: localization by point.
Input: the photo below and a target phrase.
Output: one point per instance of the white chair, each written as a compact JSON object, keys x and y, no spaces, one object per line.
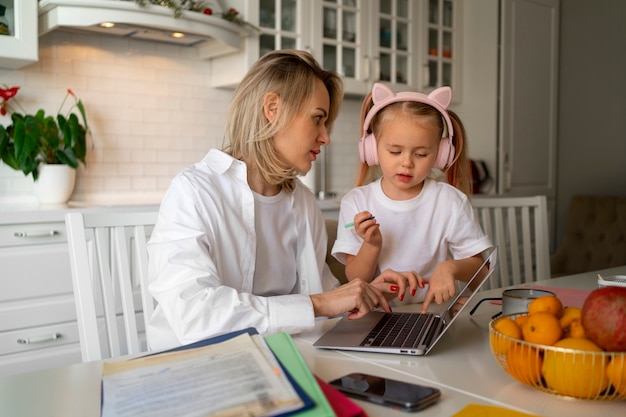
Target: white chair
{"x":519,"y":227}
{"x":109,"y":264}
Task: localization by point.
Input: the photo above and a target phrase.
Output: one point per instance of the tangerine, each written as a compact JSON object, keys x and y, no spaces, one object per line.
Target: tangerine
{"x":578,"y":371}
{"x":521,"y":319}
{"x":542,"y":328}
{"x":548,"y":304}
{"x":616,"y":373}
{"x":508,"y":327}
{"x":524,"y":363}
{"x":570,"y":314}
{"x":575,"y":329}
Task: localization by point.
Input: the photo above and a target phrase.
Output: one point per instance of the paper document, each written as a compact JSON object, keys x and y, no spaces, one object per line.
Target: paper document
{"x":239,"y":376}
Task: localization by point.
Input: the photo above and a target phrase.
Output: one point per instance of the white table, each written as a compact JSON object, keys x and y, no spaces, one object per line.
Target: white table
{"x":461,"y":366}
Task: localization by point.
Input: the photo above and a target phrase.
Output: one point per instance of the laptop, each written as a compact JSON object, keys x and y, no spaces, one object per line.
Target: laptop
{"x":405,"y":333}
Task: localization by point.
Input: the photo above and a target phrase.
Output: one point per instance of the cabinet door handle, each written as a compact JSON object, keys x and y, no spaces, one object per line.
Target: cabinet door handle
{"x":37,"y":233}
{"x":39,"y":339}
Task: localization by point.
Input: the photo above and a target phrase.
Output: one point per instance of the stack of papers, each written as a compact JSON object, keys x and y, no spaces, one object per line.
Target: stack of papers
{"x":232,"y":375}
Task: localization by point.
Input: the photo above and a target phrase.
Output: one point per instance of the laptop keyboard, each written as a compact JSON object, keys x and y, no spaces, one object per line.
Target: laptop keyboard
{"x":402,"y":330}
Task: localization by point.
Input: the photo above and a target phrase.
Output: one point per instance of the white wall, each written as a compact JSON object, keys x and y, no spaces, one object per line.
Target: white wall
{"x":148,"y":107}
{"x":479,"y":106}
{"x":151,"y":113}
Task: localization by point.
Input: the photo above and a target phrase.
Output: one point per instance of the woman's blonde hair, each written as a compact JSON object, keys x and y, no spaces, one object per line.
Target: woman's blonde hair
{"x":458,"y":173}
{"x":292,"y":75}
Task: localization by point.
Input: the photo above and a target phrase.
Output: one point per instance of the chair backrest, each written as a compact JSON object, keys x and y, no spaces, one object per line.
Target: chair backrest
{"x":109,"y":264}
{"x":519,"y":227}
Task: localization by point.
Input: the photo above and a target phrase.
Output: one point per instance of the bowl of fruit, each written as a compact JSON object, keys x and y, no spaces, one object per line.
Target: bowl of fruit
{"x":577,"y":352}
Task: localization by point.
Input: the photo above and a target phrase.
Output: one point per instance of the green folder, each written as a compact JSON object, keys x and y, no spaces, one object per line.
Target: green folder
{"x":283,"y":347}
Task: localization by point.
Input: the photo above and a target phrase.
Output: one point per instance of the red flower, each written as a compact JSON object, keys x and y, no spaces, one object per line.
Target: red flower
{"x":7,"y":93}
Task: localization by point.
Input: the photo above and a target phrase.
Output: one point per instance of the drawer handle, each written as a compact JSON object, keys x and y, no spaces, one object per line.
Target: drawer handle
{"x":39,"y":339}
{"x":40,"y":233}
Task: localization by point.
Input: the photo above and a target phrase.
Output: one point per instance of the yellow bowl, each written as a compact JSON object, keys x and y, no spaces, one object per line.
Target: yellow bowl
{"x":560,"y":371}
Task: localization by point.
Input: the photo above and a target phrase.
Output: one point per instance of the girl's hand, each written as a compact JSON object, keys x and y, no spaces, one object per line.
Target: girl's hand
{"x":441,"y":286}
{"x":356,"y":297}
{"x":368,"y":229}
{"x":403,"y":280}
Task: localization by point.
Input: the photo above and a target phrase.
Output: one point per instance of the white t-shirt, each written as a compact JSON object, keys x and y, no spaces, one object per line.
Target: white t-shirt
{"x":276,"y":240}
{"x":203,"y":258}
{"x":436,"y":225}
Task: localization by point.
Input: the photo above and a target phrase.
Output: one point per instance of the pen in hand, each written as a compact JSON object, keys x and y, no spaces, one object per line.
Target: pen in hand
{"x":352,"y":223}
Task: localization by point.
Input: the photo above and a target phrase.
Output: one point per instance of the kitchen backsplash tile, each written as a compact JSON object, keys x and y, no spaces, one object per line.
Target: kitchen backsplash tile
{"x":151,"y":113}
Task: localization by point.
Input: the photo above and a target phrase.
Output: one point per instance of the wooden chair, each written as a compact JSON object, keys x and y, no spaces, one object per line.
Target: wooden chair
{"x":519,"y":227}
{"x":109,"y":264}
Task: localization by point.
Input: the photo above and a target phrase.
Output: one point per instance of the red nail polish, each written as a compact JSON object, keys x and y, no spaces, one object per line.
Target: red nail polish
{"x":413,"y":292}
{"x":401,"y":297}
{"x":421,"y":285}
{"x":394,"y":288}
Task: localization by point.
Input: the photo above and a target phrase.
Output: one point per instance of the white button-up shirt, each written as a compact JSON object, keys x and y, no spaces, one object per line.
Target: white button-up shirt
{"x":202,"y":258}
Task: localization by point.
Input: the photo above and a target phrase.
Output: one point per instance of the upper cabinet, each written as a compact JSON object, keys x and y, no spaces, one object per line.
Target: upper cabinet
{"x":369,"y":41}
{"x":442,"y":51}
{"x":19,"y":48}
{"x":407,"y":44}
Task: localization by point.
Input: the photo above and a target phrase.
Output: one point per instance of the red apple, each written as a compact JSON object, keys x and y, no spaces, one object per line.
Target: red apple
{"x":604,"y":318}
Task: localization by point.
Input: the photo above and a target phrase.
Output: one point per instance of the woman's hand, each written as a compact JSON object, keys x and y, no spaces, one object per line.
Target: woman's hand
{"x":403,"y":280}
{"x":356,"y":297}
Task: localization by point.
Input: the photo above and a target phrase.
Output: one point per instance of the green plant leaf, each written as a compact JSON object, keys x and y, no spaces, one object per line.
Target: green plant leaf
{"x":67,"y":157}
{"x":25,"y":145}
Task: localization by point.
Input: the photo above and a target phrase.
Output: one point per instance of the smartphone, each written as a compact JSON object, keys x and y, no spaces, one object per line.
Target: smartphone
{"x":389,"y":392}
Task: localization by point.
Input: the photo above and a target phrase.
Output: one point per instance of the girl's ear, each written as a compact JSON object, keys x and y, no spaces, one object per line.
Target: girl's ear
{"x":271,"y":101}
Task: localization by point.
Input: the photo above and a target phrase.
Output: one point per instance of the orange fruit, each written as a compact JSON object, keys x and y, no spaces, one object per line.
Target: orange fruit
{"x":521,"y":319}
{"x":569,"y":314}
{"x":508,"y":327}
{"x":524,"y":363}
{"x":616,"y":373}
{"x":576,"y":373}
{"x":570,"y":322}
{"x":548,"y":304}
{"x":542,"y":328}
{"x":575,"y":329}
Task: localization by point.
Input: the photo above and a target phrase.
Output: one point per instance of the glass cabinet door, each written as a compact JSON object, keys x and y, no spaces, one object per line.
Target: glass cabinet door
{"x":395,"y":43}
{"x":341,"y":38}
{"x":278,"y":20}
{"x":442,"y":43}
{"x":341,"y":47}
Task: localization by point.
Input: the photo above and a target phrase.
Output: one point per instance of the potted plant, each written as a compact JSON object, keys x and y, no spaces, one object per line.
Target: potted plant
{"x":33,"y":142}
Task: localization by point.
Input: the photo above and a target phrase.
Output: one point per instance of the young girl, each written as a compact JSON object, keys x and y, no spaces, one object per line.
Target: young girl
{"x":406,"y":221}
{"x":240,"y":241}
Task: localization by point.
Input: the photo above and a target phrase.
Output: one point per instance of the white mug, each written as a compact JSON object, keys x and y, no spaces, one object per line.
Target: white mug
{"x":516,"y":300}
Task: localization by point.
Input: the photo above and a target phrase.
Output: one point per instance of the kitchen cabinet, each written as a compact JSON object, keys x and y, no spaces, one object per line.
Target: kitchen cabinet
{"x":19,"y":48}
{"x":405,"y":44}
{"x":528,"y":97}
{"x":443,"y":49}
{"x":37,"y":313}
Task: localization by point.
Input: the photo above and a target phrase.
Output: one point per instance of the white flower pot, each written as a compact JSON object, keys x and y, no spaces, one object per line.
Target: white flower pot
{"x":55,"y":183}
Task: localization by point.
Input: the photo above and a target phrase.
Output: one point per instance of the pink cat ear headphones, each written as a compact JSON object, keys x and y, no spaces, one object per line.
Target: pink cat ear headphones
{"x":383,"y":96}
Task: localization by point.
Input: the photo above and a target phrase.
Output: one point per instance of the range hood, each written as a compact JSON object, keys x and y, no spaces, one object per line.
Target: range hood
{"x":212,"y":34}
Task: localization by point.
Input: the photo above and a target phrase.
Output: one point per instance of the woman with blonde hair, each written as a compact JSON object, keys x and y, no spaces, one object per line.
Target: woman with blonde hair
{"x":240,"y":241}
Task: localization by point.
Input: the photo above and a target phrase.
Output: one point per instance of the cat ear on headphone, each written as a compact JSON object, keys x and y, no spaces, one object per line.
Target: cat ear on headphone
{"x":381,"y":92}
{"x":442,"y":95}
